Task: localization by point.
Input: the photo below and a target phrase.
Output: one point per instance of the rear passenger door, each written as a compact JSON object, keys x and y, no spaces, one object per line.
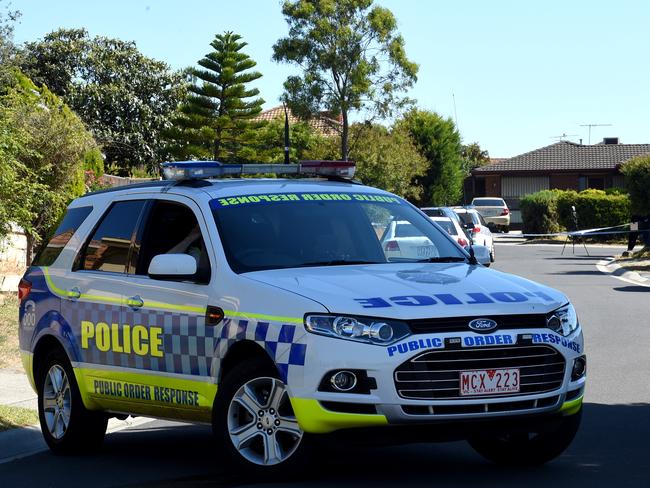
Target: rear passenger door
{"x":94,"y":286}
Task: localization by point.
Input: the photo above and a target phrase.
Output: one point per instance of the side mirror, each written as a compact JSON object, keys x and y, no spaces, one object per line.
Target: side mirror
{"x":482,"y":254}
{"x":173,"y":267}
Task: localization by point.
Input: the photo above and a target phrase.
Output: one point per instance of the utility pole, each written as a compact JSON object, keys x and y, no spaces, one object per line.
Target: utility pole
{"x":593,"y":125}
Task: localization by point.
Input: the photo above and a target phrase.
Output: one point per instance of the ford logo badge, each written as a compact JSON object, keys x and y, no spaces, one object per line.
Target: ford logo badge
{"x":482,"y":325}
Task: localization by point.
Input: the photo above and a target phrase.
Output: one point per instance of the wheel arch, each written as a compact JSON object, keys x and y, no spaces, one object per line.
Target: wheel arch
{"x":241,"y":351}
{"x":43,"y":346}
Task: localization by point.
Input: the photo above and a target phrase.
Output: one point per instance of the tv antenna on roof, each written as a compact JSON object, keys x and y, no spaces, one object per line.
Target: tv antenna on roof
{"x":593,"y":125}
{"x":563,"y":136}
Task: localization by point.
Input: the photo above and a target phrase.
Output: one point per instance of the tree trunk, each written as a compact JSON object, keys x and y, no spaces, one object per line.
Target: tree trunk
{"x":29,"y":252}
{"x":344,"y":136}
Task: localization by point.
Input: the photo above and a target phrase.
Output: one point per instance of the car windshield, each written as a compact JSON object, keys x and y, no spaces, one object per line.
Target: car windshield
{"x":491,"y":202}
{"x":290,"y":230}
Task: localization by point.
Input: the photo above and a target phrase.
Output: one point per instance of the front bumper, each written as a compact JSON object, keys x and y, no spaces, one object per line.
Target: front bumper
{"x":327,"y":411}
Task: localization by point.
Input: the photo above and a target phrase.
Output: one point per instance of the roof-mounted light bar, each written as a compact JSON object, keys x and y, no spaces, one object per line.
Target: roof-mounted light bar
{"x":197,"y":170}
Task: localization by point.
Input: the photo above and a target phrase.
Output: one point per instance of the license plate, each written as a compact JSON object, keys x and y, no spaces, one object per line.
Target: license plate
{"x":426,"y":251}
{"x":490,"y":212}
{"x":489,"y":381}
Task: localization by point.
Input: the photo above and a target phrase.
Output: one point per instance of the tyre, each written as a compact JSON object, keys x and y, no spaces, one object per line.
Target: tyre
{"x":506,"y":229}
{"x":529,"y":449}
{"x":68,"y":427}
{"x":255,"y":424}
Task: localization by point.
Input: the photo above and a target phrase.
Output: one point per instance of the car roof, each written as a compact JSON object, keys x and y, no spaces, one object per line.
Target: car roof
{"x":220,"y":188}
{"x":440,"y":218}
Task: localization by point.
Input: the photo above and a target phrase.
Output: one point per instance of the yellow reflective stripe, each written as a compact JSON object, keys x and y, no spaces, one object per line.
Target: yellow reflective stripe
{"x":27,"y":359}
{"x":68,"y":294}
{"x":86,"y":378}
{"x":168,"y":306}
{"x":313,"y":418}
{"x":271,"y":318}
{"x":572,"y":407}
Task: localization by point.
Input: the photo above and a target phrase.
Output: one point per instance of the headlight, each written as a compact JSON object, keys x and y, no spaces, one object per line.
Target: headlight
{"x":360,"y":329}
{"x":564,"y":320}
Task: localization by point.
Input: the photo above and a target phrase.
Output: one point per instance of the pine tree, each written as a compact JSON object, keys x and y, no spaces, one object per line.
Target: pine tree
{"x":215,"y":119}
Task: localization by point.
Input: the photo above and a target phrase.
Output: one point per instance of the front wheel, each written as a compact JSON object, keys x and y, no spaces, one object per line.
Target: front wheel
{"x":68,"y":427}
{"x":254,"y":420}
{"x":528,"y":448}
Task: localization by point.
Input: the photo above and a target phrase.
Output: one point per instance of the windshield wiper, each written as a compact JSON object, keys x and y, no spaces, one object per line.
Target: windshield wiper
{"x":442,"y":259}
{"x":338,"y":262}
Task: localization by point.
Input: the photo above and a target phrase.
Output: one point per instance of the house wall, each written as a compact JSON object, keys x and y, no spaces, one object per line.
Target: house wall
{"x":493,"y":186}
{"x":564,"y":181}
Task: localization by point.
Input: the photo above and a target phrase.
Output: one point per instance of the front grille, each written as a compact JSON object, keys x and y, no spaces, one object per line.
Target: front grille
{"x":480,"y":407}
{"x":460,"y":324}
{"x":435,"y":375}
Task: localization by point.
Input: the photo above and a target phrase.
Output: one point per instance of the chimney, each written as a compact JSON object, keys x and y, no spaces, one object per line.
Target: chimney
{"x":610,"y":140}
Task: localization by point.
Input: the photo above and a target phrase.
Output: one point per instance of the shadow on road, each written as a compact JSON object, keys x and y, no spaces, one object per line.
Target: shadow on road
{"x":610,"y":450}
{"x":633,"y":288}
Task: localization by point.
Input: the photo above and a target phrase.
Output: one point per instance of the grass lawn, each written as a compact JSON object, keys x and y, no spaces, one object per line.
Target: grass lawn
{"x":9,"y":355}
{"x":11,"y":417}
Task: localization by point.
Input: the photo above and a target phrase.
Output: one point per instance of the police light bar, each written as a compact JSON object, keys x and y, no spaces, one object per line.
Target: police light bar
{"x":196,"y":170}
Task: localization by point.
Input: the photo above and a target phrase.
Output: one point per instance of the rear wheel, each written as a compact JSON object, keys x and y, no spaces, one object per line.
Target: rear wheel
{"x":254,"y":419}
{"x":528,"y":448}
{"x":68,"y":427}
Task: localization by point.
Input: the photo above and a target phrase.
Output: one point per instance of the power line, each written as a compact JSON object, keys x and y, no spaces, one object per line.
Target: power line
{"x":593,"y":125}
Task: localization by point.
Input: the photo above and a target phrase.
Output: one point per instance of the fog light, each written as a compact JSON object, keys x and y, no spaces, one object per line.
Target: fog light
{"x":343,"y":381}
{"x":579,"y":368}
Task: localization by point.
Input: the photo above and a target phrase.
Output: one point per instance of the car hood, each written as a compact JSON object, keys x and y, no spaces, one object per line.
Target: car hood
{"x":415,"y":290}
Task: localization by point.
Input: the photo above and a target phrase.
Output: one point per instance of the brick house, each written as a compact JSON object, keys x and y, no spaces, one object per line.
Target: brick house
{"x":322,"y":123}
{"x":564,"y":165}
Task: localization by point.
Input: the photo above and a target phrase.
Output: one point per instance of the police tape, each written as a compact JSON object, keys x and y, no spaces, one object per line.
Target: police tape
{"x":599,"y":231}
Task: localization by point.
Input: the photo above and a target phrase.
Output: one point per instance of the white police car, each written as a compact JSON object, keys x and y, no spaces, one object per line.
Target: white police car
{"x":270,"y":309}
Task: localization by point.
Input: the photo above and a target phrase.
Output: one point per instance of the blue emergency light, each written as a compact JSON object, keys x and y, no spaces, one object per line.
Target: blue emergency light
{"x":196,"y":170}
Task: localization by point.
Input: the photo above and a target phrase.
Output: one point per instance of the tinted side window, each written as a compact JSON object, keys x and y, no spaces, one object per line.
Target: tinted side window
{"x":62,"y":235}
{"x":172,"y":227}
{"x":108,"y":247}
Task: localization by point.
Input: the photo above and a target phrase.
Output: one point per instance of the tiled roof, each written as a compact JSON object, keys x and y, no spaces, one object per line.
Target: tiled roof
{"x":567,"y":156}
{"x":325,"y":126}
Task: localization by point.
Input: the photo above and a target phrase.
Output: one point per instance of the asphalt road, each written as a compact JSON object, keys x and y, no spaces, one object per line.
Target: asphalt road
{"x":611,"y":449}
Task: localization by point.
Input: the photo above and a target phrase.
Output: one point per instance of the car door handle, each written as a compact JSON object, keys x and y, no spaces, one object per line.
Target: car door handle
{"x":135,"y":302}
{"x":74,"y":293}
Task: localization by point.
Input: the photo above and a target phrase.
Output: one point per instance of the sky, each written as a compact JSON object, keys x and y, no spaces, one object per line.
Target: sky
{"x":515,"y":75}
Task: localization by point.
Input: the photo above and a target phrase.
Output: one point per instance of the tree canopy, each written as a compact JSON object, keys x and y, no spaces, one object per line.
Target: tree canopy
{"x":124,"y":97}
{"x":438,"y":141}
{"x":43,"y":145}
{"x":387,"y":159}
{"x":473,"y":157}
{"x":351,"y":56}
{"x":214,"y":121}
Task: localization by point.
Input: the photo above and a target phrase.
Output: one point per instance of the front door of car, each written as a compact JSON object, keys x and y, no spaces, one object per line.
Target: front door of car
{"x":164,"y":319}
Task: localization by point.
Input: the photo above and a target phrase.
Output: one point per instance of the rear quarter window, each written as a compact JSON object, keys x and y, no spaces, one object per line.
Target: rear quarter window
{"x":72,"y":220}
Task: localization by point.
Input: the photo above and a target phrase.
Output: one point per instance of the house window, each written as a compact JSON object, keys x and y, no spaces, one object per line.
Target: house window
{"x":593,"y":182}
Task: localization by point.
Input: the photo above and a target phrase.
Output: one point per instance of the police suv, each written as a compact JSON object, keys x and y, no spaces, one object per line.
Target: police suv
{"x":278,"y":310}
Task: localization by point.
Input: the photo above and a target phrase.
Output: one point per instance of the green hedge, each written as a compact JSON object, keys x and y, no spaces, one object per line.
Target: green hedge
{"x":549,"y":211}
{"x":637,"y":181}
{"x":539,"y":212}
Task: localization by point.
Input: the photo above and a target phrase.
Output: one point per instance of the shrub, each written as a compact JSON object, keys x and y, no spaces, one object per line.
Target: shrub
{"x":539,"y":212}
{"x":637,"y":180}
{"x":595,"y":208}
{"x":549,"y":211}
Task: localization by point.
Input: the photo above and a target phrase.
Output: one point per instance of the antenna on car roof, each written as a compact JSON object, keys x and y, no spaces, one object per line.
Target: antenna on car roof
{"x":286,"y":134}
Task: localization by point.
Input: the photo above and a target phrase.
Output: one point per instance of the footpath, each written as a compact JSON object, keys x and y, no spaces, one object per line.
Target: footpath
{"x":15,"y":391}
